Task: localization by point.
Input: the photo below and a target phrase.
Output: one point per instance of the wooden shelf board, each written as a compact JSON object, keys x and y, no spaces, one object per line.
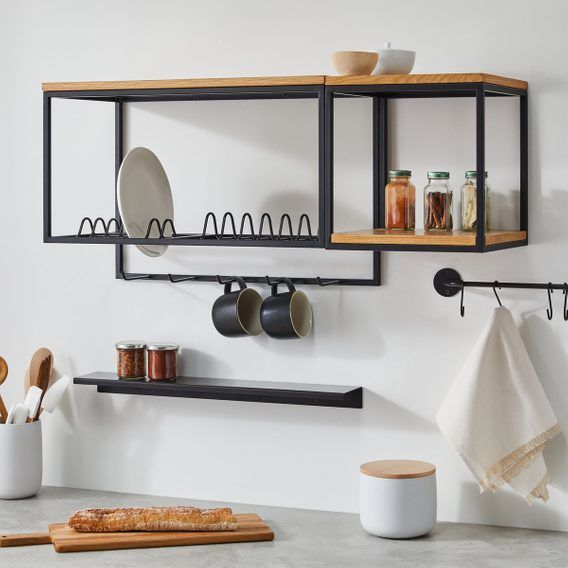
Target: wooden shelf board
{"x":292,"y":80}
{"x":426,"y":79}
{"x":187,"y":83}
{"x":421,"y":237}
{"x":230,"y":389}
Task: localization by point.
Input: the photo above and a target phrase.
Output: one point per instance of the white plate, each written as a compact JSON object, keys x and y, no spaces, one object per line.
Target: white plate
{"x":144,"y":193}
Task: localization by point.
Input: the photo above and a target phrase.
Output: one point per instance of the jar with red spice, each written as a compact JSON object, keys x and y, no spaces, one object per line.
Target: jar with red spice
{"x":400,"y":201}
{"x":131,"y":360}
{"x":162,"y":361}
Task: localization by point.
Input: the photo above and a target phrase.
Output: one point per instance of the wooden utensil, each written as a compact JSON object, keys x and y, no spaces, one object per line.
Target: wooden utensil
{"x":36,"y":378}
{"x":3,"y":375}
{"x":65,"y":539}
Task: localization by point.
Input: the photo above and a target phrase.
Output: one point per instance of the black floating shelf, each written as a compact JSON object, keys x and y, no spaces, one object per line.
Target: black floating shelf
{"x":229,"y":389}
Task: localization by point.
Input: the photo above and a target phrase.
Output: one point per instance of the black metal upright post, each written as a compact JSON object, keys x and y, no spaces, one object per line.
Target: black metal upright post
{"x":480,"y":166}
{"x":328,"y":178}
{"x":46,"y":167}
{"x":118,"y":153}
{"x":524,"y":159}
{"x":322,"y":223}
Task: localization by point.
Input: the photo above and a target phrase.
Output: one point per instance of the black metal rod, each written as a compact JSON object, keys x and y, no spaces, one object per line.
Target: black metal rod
{"x":118,"y":155}
{"x":480,"y":167}
{"x":46,"y":167}
{"x":524,"y":163}
{"x":499,"y":284}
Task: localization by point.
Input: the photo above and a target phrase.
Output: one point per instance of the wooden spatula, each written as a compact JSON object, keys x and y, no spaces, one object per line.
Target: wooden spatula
{"x":38,"y":376}
{"x":3,"y":375}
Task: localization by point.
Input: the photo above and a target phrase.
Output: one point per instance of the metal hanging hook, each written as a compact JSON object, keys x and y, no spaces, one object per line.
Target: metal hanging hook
{"x":495,"y":286}
{"x":462,"y":307}
{"x":565,"y":292}
{"x":549,"y":310}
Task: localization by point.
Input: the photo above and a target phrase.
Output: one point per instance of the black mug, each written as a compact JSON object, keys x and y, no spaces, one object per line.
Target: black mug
{"x":237,"y":314}
{"x":287,"y":315}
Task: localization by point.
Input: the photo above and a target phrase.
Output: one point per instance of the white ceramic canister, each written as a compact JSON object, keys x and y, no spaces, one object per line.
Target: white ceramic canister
{"x":398,"y":498}
{"x":21,"y":467}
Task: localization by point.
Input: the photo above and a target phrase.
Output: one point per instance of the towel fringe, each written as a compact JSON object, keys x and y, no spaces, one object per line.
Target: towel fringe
{"x":511,"y":465}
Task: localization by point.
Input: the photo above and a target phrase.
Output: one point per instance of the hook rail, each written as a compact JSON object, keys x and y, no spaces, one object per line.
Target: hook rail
{"x":448,"y":282}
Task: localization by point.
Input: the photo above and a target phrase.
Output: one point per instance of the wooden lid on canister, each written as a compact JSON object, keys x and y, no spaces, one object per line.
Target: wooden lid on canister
{"x":398,"y":469}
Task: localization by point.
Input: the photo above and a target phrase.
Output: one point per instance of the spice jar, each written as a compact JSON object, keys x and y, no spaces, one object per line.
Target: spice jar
{"x":162,"y":361}
{"x":131,"y":362}
{"x":469,"y":203}
{"x":438,"y":202}
{"x":400,"y":201}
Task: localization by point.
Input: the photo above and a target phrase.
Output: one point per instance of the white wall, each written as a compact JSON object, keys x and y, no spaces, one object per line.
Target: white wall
{"x":401,"y":341}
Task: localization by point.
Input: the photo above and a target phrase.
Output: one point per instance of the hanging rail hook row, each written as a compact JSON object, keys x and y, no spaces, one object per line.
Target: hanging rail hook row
{"x":565,"y":310}
{"x":462,"y":307}
{"x":495,"y":286}
{"x":549,"y":310}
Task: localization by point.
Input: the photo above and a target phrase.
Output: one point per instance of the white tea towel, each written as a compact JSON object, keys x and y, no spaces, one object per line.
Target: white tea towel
{"x":496,"y":414}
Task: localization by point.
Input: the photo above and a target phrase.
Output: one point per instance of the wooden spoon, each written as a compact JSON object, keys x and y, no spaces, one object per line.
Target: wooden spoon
{"x":37,"y":376}
{"x":3,"y":375}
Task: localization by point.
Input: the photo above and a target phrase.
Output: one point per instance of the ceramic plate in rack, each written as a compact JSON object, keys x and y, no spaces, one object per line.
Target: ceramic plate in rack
{"x":144,"y":193}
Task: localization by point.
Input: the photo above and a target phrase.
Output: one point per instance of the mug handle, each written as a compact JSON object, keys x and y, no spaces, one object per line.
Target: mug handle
{"x":287,"y":281}
{"x":229,"y":283}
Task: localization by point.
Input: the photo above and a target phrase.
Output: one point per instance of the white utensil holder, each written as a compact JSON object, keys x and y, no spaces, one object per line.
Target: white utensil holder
{"x":21,"y":461}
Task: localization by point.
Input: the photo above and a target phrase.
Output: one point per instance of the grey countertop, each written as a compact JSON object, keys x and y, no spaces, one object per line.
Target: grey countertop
{"x":303,"y":539}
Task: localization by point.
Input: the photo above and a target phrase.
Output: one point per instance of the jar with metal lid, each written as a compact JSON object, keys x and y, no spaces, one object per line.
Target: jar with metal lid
{"x":438,"y":202}
{"x":162,"y":361}
{"x":131,"y":359}
{"x":400,"y":201}
{"x":469,"y":203}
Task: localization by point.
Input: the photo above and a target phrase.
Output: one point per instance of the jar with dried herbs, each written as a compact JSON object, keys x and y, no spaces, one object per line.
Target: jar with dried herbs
{"x":469,"y":203}
{"x":438,"y":198}
{"x":131,"y":359}
{"x":400,"y":201}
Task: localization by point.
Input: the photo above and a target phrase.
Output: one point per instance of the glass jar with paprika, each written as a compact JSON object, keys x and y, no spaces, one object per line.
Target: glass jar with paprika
{"x":400,"y":201}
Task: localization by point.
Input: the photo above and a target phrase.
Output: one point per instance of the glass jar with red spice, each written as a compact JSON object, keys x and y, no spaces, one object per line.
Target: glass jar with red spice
{"x":131,"y":360}
{"x":400,"y":201}
{"x":162,"y":361}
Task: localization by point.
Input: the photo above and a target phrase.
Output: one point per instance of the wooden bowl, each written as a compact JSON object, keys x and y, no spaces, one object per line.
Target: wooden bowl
{"x":355,"y":62}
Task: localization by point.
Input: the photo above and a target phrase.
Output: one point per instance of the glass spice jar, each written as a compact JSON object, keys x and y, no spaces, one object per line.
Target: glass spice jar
{"x":400,"y":201}
{"x":438,"y":202}
{"x":469,"y":203}
{"x":131,"y":360}
{"x":162,"y":361}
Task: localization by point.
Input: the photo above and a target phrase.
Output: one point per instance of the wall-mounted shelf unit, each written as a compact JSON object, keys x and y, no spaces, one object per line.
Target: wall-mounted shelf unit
{"x":325,"y":89}
{"x":229,"y":389}
{"x":385,"y":88}
{"x":110,"y":231}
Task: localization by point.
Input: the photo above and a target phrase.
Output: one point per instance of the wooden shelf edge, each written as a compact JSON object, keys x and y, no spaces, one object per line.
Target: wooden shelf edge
{"x":420,"y":237}
{"x":426,"y":79}
{"x":339,"y":396}
{"x":289,"y":80}
{"x":283,"y":81}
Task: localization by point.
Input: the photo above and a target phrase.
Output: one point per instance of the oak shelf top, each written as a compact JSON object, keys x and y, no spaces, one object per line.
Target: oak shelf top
{"x":291,"y":80}
{"x":421,"y":237}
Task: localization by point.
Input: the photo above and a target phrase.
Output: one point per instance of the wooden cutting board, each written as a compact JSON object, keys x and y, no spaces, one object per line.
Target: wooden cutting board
{"x":65,"y":539}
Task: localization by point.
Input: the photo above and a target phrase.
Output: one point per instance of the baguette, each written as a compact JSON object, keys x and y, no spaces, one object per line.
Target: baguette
{"x":153,"y":519}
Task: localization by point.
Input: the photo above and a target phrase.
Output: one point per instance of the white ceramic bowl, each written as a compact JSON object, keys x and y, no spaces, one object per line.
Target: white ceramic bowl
{"x":393,"y":61}
{"x":20,"y":448}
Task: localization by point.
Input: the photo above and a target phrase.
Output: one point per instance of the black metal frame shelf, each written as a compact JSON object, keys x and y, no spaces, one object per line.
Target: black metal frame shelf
{"x":381,"y":95}
{"x":325,"y":90}
{"x":229,"y":389}
{"x":119,"y":97}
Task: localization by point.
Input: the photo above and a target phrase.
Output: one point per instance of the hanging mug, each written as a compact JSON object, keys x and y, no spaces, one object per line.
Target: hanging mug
{"x":287,"y":315}
{"x":237,"y":314}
